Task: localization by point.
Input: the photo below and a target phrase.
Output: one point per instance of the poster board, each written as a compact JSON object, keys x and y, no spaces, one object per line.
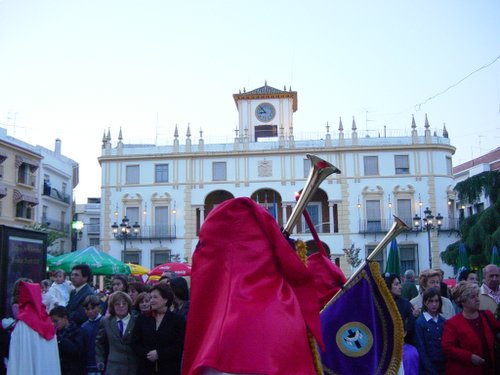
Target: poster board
{"x":23,"y":253}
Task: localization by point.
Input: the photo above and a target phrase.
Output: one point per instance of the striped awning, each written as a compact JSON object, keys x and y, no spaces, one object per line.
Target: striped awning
{"x":23,"y":197}
{"x":3,"y":191}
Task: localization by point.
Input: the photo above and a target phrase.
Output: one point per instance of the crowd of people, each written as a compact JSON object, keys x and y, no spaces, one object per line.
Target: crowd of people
{"x":139,"y":329}
{"x":449,"y":331}
{"x":135,"y":329}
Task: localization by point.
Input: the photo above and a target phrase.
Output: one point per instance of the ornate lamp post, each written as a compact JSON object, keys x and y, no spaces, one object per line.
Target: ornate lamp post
{"x":428,"y":225}
{"x":124,"y":232}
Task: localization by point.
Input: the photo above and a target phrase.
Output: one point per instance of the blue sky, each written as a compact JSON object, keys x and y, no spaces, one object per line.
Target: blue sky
{"x":71,"y":69}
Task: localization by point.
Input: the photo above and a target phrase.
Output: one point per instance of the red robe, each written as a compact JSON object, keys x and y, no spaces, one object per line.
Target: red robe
{"x":252,"y":299}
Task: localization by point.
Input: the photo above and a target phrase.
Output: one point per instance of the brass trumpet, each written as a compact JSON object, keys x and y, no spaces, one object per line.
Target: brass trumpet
{"x":398,"y":226}
{"x":320,"y":169}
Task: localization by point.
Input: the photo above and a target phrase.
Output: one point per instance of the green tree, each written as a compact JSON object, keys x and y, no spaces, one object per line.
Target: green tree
{"x":352,"y":256}
{"x":479,"y":232}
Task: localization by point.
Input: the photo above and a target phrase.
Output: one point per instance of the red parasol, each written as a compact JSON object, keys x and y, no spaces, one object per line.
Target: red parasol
{"x":181,"y":269}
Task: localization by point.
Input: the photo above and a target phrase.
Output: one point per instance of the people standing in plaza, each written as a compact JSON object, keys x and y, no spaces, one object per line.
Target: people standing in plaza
{"x":33,"y":344}
{"x":468,"y":275}
{"x":428,"y":334}
{"x":89,"y":330}
{"x":113,"y":343}
{"x":134,"y":289}
{"x":181,"y":302}
{"x":409,"y":290}
{"x":61,"y":288}
{"x":167,"y":276}
{"x":119,"y":283}
{"x":410,"y":354}
{"x":158,"y":339}
{"x":69,"y":342}
{"x":143,"y":304}
{"x":47,"y":298}
{"x":80,"y":277}
{"x":468,"y":337}
{"x":404,"y":306}
{"x":431,"y":279}
{"x":489,"y":294}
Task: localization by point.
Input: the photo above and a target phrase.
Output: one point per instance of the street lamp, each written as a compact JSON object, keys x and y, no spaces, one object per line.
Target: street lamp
{"x":427,"y":225}
{"x":124,"y":232}
{"x":77,"y":229}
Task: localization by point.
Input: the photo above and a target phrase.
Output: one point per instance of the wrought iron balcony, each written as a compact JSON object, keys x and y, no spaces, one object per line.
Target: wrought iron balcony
{"x":157,"y":232}
{"x":56,"y":194}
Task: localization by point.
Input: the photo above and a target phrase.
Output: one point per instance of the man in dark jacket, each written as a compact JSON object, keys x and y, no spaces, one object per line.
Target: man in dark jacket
{"x":80,"y":277}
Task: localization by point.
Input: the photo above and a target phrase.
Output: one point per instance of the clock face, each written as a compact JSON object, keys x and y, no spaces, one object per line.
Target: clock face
{"x":265,"y":112}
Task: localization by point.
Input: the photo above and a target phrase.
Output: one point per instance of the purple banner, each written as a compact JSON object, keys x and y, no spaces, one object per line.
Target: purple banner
{"x":362,"y":328}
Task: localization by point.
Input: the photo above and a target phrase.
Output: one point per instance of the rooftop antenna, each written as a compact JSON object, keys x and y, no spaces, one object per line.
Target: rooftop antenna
{"x":366,"y":119}
{"x":12,"y":116}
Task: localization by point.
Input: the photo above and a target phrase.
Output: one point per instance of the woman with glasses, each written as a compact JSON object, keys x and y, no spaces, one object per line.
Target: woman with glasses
{"x":469,"y":336}
{"x":114,"y":353}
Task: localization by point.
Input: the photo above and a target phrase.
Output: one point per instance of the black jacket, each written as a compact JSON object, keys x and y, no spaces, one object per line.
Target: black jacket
{"x":69,"y":341}
{"x":167,"y":340}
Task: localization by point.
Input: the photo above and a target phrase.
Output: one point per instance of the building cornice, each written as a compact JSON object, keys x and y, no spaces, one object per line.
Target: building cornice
{"x":277,"y":152}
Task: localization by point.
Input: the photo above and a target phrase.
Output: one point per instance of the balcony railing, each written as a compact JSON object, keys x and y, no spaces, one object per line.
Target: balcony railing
{"x":93,"y":228}
{"x":55,"y":224}
{"x":56,"y":194}
{"x":157,"y":232}
{"x":383,"y":226}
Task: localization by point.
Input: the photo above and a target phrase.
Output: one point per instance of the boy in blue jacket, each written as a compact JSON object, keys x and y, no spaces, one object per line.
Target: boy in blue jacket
{"x":89,"y":329}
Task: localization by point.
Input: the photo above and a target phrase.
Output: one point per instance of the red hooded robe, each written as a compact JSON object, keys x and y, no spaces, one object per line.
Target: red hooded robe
{"x":252,"y":299}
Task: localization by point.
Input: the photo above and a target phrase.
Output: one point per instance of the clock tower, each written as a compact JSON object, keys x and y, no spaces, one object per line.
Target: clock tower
{"x":266,"y":112}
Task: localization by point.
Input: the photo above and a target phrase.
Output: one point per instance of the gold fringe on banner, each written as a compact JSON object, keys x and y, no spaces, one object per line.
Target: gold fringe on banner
{"x":301,"y":250}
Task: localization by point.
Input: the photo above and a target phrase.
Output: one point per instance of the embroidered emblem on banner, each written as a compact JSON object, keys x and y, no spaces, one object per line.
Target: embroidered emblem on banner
{"x":354,"y":339}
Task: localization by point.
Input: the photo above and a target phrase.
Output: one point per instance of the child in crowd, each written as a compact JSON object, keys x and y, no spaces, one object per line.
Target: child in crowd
{"x":69,"y":340}
{"x":428,"y":332}
{"x":89,"y":329}
{"x":60,"y":289}
{"x":47,"y":298}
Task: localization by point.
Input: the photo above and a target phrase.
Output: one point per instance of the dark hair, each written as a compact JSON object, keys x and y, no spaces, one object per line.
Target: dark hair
{"x":123,"y":279}
{"x":180,"y":288}
{"x":389,"y":279}
{"x":431,"y":293}
{"x":140,"y":297}
{"x":59,"y":271}
{"x":465,"y":274}
{"x":169,"y":274}
{"x":59,"y":311}
{"x":165,"y":291}
{"x":139,"y":287}
{"x":85,"y":270}
{"x":45,"y":283}
{"x":91,"y":300}
{"x":115,"y":297}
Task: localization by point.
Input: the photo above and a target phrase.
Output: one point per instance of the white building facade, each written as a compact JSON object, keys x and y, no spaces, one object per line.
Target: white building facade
{"x":167,"y":191}
{"x":86,"y":223}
